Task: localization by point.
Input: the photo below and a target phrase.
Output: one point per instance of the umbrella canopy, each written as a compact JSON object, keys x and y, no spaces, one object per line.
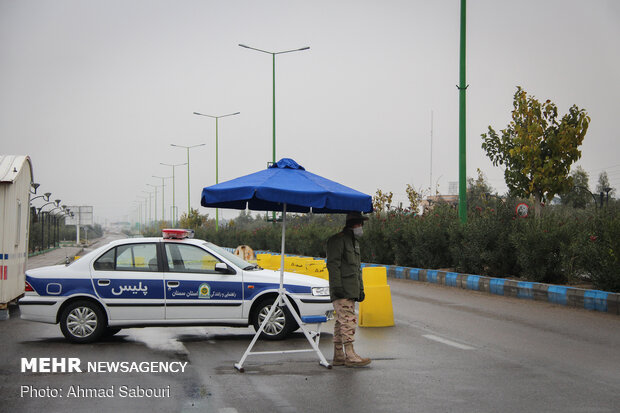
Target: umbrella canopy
{"x":285,"y":182}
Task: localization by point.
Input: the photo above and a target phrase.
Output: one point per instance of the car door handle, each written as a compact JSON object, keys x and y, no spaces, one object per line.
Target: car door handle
{"x":173,"y":284}
{"x":103,"y":283}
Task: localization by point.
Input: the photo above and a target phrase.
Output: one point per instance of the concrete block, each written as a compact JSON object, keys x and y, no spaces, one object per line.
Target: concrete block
{"x":431,"y":276}
{"x":575,"y":297}
{"x":484,"y":284}
{"x":399,"y":272}
{"x":441,"y":277}
{"x":452,"y":279}
{"x":525,"y":290}
{"x":540,"y":292}
{"x":595,"y":300}
{"x":473,"y":282}
{"x":422,"y":275}
{"x":4,"y":314}
{"x":557,"y":294}
{"x":511,"y":288}
{"x":414,"y":274}
{"x":613,"y":304}
{"x":496,"y":286}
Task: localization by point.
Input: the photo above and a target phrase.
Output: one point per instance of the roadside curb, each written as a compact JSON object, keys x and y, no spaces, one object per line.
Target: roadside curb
{"x":595,"y":300}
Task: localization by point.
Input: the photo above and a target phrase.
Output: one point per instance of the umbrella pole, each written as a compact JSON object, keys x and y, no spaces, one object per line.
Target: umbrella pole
{"x":283,"y":301}
{"x":283,"y":244}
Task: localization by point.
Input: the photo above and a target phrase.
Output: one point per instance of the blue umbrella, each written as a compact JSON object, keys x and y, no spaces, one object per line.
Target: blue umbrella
{"x":285,"y":182}
{"x":285,"y":186}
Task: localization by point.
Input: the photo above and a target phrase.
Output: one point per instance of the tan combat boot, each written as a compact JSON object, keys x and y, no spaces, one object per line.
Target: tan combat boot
{"x":338,"y":355}
{"x":352,"y":359}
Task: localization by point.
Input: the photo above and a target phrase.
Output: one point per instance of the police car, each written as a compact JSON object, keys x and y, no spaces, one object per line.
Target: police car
{"x":169,"y":281}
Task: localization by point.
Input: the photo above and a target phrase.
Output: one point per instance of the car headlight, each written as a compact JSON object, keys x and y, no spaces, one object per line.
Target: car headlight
{"x":320,"y":290}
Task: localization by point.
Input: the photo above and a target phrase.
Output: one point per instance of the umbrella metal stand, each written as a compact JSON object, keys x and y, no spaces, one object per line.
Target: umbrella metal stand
{"x":284,"y":301}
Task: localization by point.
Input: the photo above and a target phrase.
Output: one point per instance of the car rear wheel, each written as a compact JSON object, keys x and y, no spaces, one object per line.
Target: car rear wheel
{"x":279,"y":325}
{"x":82,"y":322}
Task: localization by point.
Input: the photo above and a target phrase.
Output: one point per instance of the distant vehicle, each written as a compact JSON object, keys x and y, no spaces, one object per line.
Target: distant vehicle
{"x":170,"y":281}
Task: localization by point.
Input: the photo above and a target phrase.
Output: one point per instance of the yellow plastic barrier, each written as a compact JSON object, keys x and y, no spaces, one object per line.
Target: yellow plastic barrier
{"x":263,"y":260}
{"x":298,"y":265}
{"x":374,"y":276}
{"x":316,"y":268}
{"x":376,"y":310}
{"x":275,"y":262}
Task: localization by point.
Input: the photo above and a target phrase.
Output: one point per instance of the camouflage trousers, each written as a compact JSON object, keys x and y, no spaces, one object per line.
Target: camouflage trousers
{"x":346,"y":321}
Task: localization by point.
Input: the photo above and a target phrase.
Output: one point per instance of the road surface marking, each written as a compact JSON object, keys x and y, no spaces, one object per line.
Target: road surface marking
{"x":448,"y":342}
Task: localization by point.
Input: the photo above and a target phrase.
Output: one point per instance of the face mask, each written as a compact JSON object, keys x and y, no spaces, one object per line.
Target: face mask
{"x":358,"y":232}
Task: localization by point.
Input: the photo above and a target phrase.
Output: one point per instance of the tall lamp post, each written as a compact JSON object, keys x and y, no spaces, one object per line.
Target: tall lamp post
{"x":188,"y":148}
{"x":150,"y":209}
{"x":462,"y":131}
{"x":163,"y":186}
{"x":273,"y":55}
{"x":217,"y":211}
{"x":154,"y":201}
{"x":173,"y":191}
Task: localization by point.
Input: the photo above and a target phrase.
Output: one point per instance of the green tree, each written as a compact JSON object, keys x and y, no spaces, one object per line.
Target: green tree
{"x":579,"y":194}
{"x":537,"y":149}
{"x":604,"y":185}
{"x":478,"y":189}
{"x":194,"y":221}
{"x":382,"y":201}
{"x":415,"y":198}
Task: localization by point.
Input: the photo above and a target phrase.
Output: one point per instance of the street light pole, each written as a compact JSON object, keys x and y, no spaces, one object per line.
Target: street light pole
{"x":173,"y":191}
{"x":154,"y":201}
{"x":188,"y":148}
{"x":217,"y":181}
{"x":273,"y":55}
{"x":163,"y":186}
{"x":150,"y":208}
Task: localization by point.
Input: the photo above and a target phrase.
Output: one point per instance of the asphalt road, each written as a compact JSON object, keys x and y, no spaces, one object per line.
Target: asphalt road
{"x":451,"y":350}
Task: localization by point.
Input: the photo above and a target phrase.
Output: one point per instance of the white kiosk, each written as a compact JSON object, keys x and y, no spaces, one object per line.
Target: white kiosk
{"x":15,"y":183}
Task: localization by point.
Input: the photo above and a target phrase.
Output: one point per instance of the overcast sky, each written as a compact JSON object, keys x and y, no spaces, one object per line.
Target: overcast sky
{"x":96,"y":91}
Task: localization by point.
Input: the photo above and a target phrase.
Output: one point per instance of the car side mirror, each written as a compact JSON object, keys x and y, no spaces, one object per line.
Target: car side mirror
{"x":223,"y":268}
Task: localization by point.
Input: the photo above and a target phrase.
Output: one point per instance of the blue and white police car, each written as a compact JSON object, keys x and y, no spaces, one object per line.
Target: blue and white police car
{"x":169,"y":281}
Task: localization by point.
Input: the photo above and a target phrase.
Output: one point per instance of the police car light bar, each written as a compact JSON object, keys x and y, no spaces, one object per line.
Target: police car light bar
{"x":177,"y":233}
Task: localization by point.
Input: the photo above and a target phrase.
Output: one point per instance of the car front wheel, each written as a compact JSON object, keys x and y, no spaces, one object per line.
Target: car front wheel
{"x":82,"y":322}
{"x":278,"y":326}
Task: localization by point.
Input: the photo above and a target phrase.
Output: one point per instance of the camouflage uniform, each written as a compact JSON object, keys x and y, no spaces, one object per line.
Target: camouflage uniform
{"x":345,"y":282}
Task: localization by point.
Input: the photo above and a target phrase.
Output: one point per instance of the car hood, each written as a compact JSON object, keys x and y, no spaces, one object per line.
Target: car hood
{"x":272,"y":276}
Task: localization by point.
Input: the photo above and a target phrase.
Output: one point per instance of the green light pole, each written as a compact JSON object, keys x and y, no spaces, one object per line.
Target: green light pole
{"x":188,"y":148}
{"x":154,"y":201}
{"x":173,"y":191}
{"x":273,"y":54}
{"x":217,"y":211}
{"x":163,"y":186}
{"x":462,"y":133}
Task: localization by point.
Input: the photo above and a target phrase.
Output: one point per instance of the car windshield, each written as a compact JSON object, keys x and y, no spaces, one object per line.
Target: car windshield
{"x":231,"y":257}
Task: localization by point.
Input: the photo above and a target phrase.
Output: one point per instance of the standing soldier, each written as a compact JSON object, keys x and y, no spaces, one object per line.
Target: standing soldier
{"x":345,"y":288}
